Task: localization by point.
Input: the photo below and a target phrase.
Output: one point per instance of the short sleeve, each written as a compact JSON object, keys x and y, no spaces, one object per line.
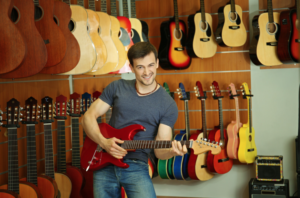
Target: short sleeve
{"x":109,"y":93}
{"x":170,"y":116}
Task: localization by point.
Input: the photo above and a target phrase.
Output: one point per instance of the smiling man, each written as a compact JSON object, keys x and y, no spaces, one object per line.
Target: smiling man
{"x":141,"y":101}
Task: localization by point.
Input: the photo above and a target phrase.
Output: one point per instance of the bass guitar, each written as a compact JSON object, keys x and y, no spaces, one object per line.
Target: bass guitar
{"x":247,"y":149}
{"x":172,"y":52}
{"x":231,"y":31}
{"x":201,"y":40}
{"x":234,"y":126}
{"x":220,"y":163}
{"x":288,"y":42}
{"x":197,"y":167}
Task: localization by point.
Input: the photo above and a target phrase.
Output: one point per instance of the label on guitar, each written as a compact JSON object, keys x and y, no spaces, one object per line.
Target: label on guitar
{"x":272,"y":43}
{"x":234,"y":27}
{"x":297,"y":40}
{"x":205,"y":39}
{"x":179,"y":48}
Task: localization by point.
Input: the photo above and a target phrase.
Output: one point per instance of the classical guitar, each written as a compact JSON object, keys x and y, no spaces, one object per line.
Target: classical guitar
{"x":247,"y":149}
{"x":52,"y":35}
{"x":143,"y":33}
{"x":201,"y":40}
{"x":94,"y":158}
{"x":164,"y":165}
{"x":234,"y":126}
{"x":13,"y":47}
{"x":108,"y":28}
{"x":269,"y":29}
{"x":74,"y":173}
{"x":288,"y":43}
{"x":23,"y":188}
{"x":231,"y":31}
{"x":36,"y":53}
{"x":220,"y":163}
{"x":62,"y":15}
{"x":80,"y":29}
{"x":172,"y":53}
{"x":63,"y":182}
{"x":197,"y":167}
{"x":180,"y":163}
{"x":46,"y":184}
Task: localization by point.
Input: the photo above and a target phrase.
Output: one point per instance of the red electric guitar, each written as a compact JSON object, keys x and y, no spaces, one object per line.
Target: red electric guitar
{"x":220,"y":163}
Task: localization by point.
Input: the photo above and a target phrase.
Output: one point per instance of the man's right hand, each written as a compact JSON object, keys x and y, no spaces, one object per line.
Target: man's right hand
{"x":111,"y":146}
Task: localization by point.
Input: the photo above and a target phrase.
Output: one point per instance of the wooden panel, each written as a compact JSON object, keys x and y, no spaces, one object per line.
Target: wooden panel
{"x":263,"y":4}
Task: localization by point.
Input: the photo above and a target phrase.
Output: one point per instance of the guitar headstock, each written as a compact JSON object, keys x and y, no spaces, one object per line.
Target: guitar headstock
{"x":166,"y":87}
{"x":246,"y":91}
{"x":201,"y":146}
{"x":13,"y":114}
{"x":86,"y":102}
{"x":232,"y":90}
{"x":182,"y":93}
{"x":31,"y":111}
{"x":216,"y":91}
{"x":74,"y":105}
{"x":47,"y":110}
{"x":96,"y":95}
{"x":200,"y":94}
{"x":61,"y":107}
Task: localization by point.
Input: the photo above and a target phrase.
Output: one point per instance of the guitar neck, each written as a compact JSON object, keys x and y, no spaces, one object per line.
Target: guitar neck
{"x":151,"y":144}
{"x":176,"y":14}
{"x":36,"y":2}
{"x":113,"y":8}
{"x":232,"y":5}
{"x":202,"y":10}
{"x":187,"y":119}
{"x":13,"y":161}
{"x":49,"y":162}
{"x":75,"y":143}
{"x":297,"y":3}
{"x":221,"y":118}
{"x":133,"y":9}
{"x":67,"y":2}
{"x":125,"y":8}
{"x":237,"y":110}
{"x":104,"y":6}
{"x":92,"y":5}
{"x":80,"y":2}
{"x":31,"y":154}
{"x":249,"y":114}
{"x":61,"y":148}
{"x":204,"y":127}
{"x":270,"y":11}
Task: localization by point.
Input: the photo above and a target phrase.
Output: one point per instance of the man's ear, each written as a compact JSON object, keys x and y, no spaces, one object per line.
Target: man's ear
{"x":157,"y":63}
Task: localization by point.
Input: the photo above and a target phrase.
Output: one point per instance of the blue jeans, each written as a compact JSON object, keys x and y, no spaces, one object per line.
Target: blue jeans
{"x":135,"y":180}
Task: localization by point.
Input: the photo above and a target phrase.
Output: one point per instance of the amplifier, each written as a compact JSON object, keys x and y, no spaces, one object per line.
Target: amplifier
{"x":269,"y":168}
{"x":267,"y":189}
{"x":297,"y":156}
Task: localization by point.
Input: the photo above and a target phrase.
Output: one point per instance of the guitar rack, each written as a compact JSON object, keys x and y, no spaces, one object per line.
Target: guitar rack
{"x":188,"y":96}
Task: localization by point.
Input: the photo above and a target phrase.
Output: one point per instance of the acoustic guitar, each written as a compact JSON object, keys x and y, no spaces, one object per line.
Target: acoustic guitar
{"x":288,"y":42}
{"x":219,"y":163}
{"x":201,"y":40}
{"x":247,"y":149}
{"x":47,"y":186}
{"x":80,"y":29}
{"x":136,"y":25}
{"x":52,"y":35}
{"x":63,"y":182}
{"x":231,"y":31}
{"x":234,"y":127}
{"x":23,"y":188}
{"x":172,"y":53}
{"x":72,"y":172}
{"x":36,"y":52}
{"x":266,"y":50}
{"x":144,"y":26}
{"x":12,"y":43}
{"x":62,"y":15}
{"x":197,"y":167}
{"x":8,"y":194}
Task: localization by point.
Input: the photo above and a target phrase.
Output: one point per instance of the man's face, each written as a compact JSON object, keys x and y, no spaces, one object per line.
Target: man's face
{"x":145,"y":69}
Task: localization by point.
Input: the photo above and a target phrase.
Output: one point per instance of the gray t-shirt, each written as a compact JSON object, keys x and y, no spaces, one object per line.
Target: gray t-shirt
{"x":148,"y":111}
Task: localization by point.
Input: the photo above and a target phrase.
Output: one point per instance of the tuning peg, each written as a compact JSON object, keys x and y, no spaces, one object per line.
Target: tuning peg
{"x":221,"y":144}
{"x":21,"y":119}
{"x":21,"y":109}
{"x":197,"y":95}
{"x":68,"y":113}
{"x":218,"y":142}
{"x":1,"y":112}
{"x":205,"y":139}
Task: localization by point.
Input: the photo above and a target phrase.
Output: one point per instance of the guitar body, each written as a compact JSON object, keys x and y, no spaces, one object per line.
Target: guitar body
{"x":112,"y":56}
{"x":233,"y":139}
{"x":64,"y":185}
{"x":287,"y":31}
{"x":136,"y":27}
{"x":170,"y":168}
{"x":210,"y":156}
{"x":62,"y":13}
{"x":245,"y":145}
{"x":201,"y":41}
{"x":88,"y":54}
{"x":8,"y":194}
{"x":52,"y":35}
{"x":76,"y":178}
{"x":89,"y":147}
{"x":231,"y":33}
{"x":145,"y":31}
{"x":294,"y":45}
{"x":88,"y":189}
{"x":180,"y":163}
{"x":254,"y":41}
{"x":36,"y":53}
{"x":192,"y":160}
{"x":12,"y":44}
{"x":172,"y":53}
{"x":26,"y":189}
{"x":162,"y":169}
{"x":267,"y":42}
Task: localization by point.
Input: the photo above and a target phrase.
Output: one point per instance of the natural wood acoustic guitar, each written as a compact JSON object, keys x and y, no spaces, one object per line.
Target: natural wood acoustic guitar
{"x":143,"y":33}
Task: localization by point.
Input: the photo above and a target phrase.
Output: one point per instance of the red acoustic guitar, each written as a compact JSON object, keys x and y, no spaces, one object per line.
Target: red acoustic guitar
{"x":220,"y":163}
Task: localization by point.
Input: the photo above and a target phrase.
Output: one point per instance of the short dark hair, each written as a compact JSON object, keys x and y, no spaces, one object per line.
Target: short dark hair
{"x":140,"y":50}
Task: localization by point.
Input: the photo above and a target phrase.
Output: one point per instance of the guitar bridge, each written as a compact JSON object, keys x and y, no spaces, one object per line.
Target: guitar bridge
{"x":272,"y":43}
{"x":179,"y":48}
{"x":204,"y":39}
{"x":234,"y":27}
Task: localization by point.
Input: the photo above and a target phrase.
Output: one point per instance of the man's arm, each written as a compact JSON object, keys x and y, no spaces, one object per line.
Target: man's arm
{"x":165,"y":133}
{"x":91,"y":128}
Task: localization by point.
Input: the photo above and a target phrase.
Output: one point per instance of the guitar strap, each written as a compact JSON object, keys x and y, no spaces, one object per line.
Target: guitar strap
{"x":297,"y":140}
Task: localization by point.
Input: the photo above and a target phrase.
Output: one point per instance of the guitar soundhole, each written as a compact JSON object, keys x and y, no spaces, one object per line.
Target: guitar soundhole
{"x":132,"y":33}
{"x":203,"y":26}
{"x":99,"y":30}
{"x":272,"y":28}
{"x":250,"y":138}
{"x":120,"y":34}
{"x":233,"y":16}
{"x":71,"y":25}
{"x":38,"y":13}
{"x":14,"y":15}
{"x":177,"y":34}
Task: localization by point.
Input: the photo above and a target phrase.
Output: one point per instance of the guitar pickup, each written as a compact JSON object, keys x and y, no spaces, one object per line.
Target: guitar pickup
{"x":272,"y":43}
{"x":205,"y":39}
{"x":234,"y":27}
{"x":179,"y":48}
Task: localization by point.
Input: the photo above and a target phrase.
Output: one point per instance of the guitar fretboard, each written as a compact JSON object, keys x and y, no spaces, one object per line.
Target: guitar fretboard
{"x":232,"y":5}
{"x":113,"y":8}
{"x":92,"y":5}
{"x":133,"y":9}
{"x":75,"y":143}
{"x":221,"y":118}
{"x":125,"y":8}
{"x":270,"y":11}
{"x":204,"y":127}
{"x":187,"y":119}
{"x":49,"y":170}
{"x":103,"y":6}
{"x":13,"y":162}
{"x":61,"y":146}
{"x":176,"y":15}
{"x":31,"y":155}
{"x":67,"y":1}
{"x":36,"y":2}
{"x":152,"y":144}
{"x":202,"y":10}
{"x":80,"y":2}
{"x":250,"y":114}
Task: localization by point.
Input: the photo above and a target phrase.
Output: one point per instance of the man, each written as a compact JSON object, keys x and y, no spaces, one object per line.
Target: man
{"x":141,"y":101}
